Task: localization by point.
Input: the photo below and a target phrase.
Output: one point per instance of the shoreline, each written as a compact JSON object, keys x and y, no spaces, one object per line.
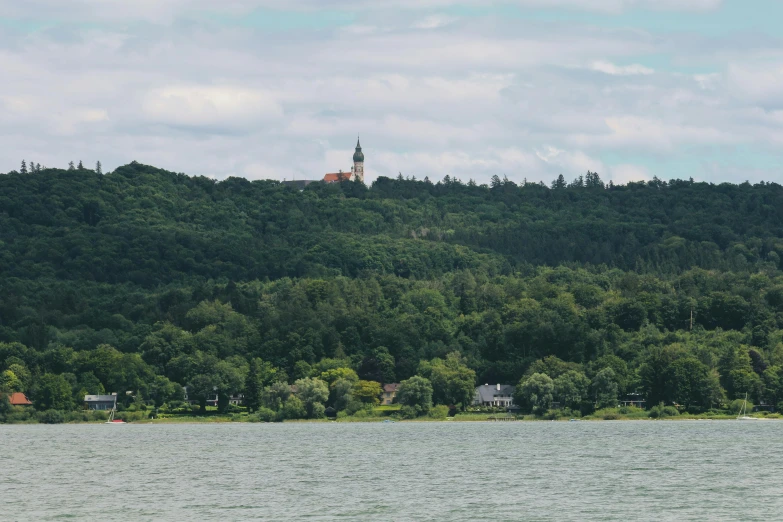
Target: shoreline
{"x":245,"y":420}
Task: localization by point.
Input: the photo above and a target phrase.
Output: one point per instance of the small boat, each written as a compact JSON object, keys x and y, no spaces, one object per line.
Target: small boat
{"x":743,"y":413}
{"x":112,"y":420}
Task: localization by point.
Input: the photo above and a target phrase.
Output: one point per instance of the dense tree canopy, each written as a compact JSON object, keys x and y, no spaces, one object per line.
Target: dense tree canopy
{"x":144,"y":280}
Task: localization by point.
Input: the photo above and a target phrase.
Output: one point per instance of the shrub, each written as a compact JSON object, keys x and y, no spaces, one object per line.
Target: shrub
{"x":736,"y":406}
{"x":51,"y":417}
{"x":439,"y":412}
{"x":410,"y":412}
{"x":660,"y":411}
{"x":266,"y":415}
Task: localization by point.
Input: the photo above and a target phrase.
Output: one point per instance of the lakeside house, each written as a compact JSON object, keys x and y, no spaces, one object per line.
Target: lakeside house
{"x":237,"y":399}
{"x":634,"y":399}
{"x":389,"y":393}
{"x":19,"y":399}
{"x":495,"y":395}
{"x":100,"y":402}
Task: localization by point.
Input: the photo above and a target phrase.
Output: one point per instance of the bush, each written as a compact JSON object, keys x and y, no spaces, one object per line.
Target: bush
{"x":410,"y":412}
{"x":266,"y":415}
{"x":51,"y":417}
{"x":736,"y":406}
{"x":660,"y":411}
{"x":439,"y":412}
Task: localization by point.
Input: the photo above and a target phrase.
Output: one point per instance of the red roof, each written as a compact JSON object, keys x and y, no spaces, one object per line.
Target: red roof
{"x":19,"y":399}
{"x":331,"y":178}
{"x":391,"y":387}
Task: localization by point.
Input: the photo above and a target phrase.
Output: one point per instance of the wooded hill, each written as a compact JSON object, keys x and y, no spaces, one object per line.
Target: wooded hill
{"x":142,"y":278}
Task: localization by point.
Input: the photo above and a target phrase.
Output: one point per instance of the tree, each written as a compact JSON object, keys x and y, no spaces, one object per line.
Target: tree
{"x":605,"y":388}
{"x":9,"y":382}
{"x":23,"y":168}
{"x":162,"y":391}
{"x":313,"y":393}
{"x":276,"y":395}
{"x":368,"y":392}
{"x":378,"y":365}
{"x":559,"y":183}
{"x":98,"y":169}
{"x":253,"y":386}
{"x":452,"y":381}
{"x":571,"y":388}
{"x":53,"y":393}
{"x":70,"y":166}
{"x":416,"y":393}
{"x":80,"y":166}
{"x":535,"y":392}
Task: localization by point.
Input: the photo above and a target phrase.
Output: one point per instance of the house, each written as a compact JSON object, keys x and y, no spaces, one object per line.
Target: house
{"x":299,"y":184}
{"x":496,"y":395}
{"x":336,"y":177}
{"x":212,"y":398}
{"x":19,"y":399}
{"x":634,"y":399}
{"x":100,"y":402}
{"x":389,"y":393}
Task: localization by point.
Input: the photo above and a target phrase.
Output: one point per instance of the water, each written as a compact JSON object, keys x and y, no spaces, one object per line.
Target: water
{"x":659,"y":470}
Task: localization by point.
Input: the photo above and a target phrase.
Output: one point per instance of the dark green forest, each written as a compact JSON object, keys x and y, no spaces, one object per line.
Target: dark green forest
{"x":145,"y":280}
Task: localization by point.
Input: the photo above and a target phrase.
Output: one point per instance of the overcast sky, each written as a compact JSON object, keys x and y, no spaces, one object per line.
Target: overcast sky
{"x":470,"y":88}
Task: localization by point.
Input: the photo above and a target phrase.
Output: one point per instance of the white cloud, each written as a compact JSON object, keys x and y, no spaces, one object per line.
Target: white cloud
{"x":175,"y":85}
{"x":622,"y":174}
{"x":209,"y":106}
{"x":618,"y":70}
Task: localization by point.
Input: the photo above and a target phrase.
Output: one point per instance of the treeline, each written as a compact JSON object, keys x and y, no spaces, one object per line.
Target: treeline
{"x":144,"y":280}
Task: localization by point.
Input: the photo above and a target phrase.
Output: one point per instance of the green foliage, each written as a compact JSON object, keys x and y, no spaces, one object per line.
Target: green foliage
{"x":144,"y":280}
{"x":415,"y":394}
{"x":53,"y":393}
{"x":440,"y":411}
{"x":51,"y":417}
{"x":535,"y":392}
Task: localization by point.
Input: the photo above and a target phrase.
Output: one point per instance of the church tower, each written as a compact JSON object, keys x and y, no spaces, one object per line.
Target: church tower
{"x":358,"y":163}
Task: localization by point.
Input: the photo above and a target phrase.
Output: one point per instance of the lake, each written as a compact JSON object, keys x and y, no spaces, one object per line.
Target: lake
{"x":454,"y":471}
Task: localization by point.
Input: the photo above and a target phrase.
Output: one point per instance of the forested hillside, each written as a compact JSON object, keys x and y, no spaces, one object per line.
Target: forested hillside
{"x":144,"y":280}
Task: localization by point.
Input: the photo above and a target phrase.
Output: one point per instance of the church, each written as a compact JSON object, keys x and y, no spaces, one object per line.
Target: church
{"x":357,"y":171}
{"x":355,"y":174}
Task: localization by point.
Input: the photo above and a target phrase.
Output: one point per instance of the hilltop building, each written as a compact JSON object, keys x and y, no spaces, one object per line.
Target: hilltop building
{"x":356,"y":173}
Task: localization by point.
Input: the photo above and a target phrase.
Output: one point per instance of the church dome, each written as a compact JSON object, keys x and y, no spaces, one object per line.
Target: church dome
{"x":358,"y":156}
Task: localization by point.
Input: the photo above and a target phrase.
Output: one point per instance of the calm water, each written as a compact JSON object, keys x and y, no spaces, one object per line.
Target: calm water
{"x":690,"y":470}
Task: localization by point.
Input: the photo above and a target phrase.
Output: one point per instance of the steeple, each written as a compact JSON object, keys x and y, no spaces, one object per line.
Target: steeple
{"x":358,"y":162}
{"x":358,"y":156}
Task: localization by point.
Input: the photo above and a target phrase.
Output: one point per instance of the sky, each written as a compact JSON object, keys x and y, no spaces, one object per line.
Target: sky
{"x":529,"y":89}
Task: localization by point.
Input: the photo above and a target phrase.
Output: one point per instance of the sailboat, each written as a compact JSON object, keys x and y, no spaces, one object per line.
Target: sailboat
{"x":743,"y":413}
{"x":112,"y":420}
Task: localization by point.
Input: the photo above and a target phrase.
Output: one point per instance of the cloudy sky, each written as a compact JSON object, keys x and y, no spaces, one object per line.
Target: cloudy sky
{"x":470,"y":88}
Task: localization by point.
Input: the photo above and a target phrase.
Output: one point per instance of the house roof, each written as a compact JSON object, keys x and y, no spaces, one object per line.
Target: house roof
{"x":336,"y":176}
{"x":487,"y":392}
{"x":392,"y":387}
{"x":100,"y":398}
{"x":19,"y":399}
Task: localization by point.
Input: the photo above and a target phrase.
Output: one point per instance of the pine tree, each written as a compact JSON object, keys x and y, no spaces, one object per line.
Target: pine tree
{"x":23,"y":168}
{"x":559,"y":183}
{"x":70,"y":166}
{"x":80,"y":167}
{"x":253,"y":387}
{"x":38,"y":167}
{"x":98,"y":169}
{"x":495,"y":182}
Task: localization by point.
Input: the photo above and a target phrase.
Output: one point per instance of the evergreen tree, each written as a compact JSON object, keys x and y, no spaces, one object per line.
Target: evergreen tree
{"x":23,"y":168}
{"x":80,"y":167}
{"x":559,"y":183}
{"x":253,"y":386}
{"x":495,"y":182}
{"x":38,"y":167}
{"x":70,"y":166}
{"x":98,"y":169}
